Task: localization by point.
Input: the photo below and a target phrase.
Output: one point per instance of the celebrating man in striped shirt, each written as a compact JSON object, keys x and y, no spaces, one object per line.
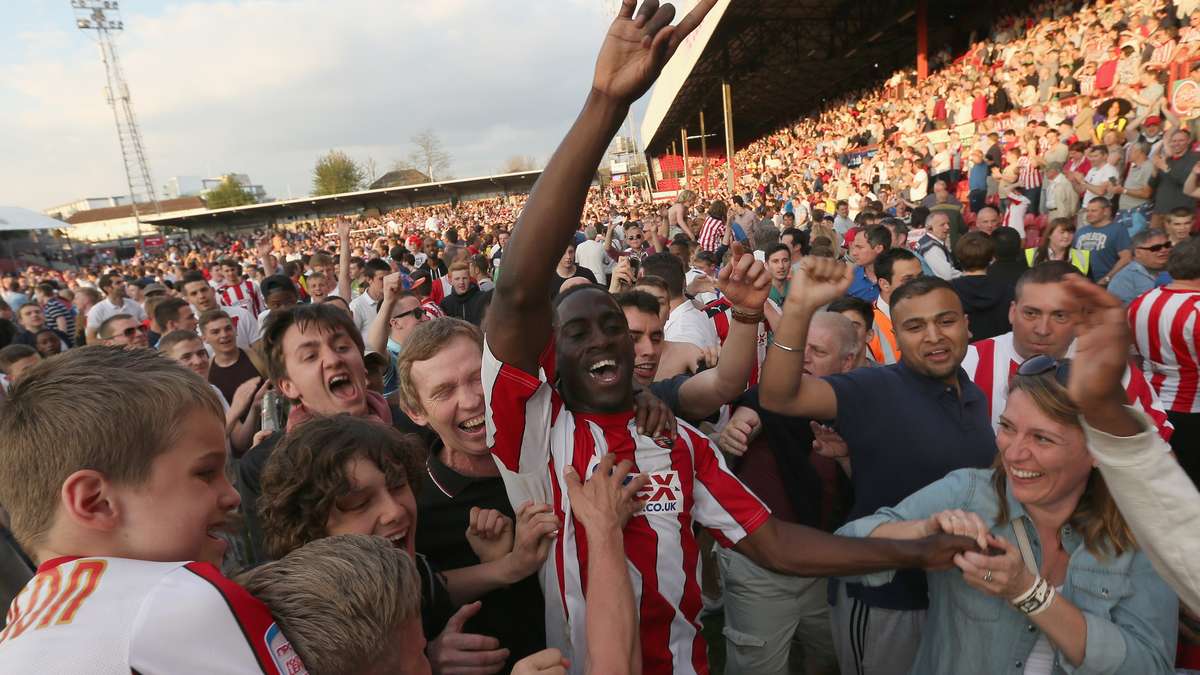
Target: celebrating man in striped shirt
{"x":1164,"y":322}
{"x":582,"y":343}
{"x":1043,"y":321}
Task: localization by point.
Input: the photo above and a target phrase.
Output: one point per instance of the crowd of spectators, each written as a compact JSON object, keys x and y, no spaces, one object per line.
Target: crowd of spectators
{"x":934,"y":412}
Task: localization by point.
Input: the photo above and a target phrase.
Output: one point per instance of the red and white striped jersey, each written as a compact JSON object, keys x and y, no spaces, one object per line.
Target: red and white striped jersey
{"x":534,"y":437}
{"x":720,"y":311}
{"x":244,"y":294}
{"x":711,"y":234}
{"x":116,"y":615}
{"x":439,"y":290}
{"x":1165,"y":322}
{"x":992,"y":362}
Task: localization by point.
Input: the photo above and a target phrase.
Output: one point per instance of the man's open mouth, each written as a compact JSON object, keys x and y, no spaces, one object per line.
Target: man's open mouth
{"x":341,"y":386}
{"x":604,"y":371}
{"x":473,"y":425}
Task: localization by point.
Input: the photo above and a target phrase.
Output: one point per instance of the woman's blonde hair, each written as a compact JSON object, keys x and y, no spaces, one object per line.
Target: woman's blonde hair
{"x":1096,"y":516}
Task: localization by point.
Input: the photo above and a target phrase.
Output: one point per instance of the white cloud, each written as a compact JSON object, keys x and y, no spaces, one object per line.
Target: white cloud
{"x":264,"y":86}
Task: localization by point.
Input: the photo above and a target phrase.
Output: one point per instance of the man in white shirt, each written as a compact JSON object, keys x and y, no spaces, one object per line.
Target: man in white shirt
{"x":366,"y":306}
{"x":1100,"y":178}
{"x":115,"y":302}
{"x":590,"y":253}
{"x":686,"y":324}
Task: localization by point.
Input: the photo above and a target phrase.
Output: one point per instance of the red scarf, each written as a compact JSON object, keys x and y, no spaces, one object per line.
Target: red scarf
{"x":377,"y":409}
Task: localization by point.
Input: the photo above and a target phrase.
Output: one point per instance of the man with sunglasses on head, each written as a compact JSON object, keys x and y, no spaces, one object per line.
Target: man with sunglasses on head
{"x":399,"y":312}
{"x":1044,"y":315}
{"x":1151,"y":248}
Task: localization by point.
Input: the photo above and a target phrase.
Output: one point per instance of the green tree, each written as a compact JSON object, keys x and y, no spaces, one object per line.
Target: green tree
{"x":228,"y":193}
{"x":336,"y":172}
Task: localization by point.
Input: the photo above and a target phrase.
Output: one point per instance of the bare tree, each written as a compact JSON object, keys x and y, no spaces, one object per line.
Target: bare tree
{"x":519,"y":163}
{"x":430,"y":155}
{"x":370,"y":170}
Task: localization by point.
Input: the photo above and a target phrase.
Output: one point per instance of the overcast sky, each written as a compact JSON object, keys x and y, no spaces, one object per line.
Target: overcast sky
{"x":265,"y":86}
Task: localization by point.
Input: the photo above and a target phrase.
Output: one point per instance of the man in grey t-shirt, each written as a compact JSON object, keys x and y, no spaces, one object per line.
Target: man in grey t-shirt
{"x":1136,"y":195}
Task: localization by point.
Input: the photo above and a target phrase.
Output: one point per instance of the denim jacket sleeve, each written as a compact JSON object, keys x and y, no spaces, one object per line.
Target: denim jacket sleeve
{"x":1131,"y":631}
{"x":956,"y":491}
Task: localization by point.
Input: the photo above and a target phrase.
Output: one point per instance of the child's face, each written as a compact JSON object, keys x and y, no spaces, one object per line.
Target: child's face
{"x":373,"y":507}
{"x":176,"y":513}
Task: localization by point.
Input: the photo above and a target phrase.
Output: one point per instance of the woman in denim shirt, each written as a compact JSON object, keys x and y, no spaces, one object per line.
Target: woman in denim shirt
{"x":1111,"y":614}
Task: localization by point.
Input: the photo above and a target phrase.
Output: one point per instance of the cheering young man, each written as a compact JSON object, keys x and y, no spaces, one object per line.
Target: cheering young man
{"x":539,"y":433}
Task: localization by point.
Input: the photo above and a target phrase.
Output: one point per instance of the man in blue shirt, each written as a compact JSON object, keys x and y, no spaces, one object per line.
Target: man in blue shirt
{"x":1151,"y":248}
{"x":906,"y":425}
{"x":1108,"y":242}
{"x":865,"y":248}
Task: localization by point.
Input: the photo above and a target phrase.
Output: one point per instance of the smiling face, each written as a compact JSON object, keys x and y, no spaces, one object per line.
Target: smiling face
{"x":372,"y":506}
{"x":931,"y":332}
{"x":1043,"y":320}
{"x":192,"y":354}
{"x":187,"y":498}
{"x":201,"y":295}
{"x":594,"y":353}
{"x":1045,"y":460}
{"x":647,"y":333}
{"x":48,"y":343}
{"x":450,"y":387}
{"x":1062,"y":237}
{"x":325,"y":370}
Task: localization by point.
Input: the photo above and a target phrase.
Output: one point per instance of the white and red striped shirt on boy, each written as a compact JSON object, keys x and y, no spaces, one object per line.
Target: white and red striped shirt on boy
{"x":992,"y":362}
{"x":1164,"y":322}
{"x":534,"y":437}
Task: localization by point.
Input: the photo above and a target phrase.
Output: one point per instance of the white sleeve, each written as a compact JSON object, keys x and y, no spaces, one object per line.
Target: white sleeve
{"x":519,"y":415}
{"x":940,"y":265}
{"x":247,"y":330}
{"x":1157,"y":499}
{"x":186,"y":626}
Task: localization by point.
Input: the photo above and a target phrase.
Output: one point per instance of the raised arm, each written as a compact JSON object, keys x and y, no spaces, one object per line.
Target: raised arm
{"x":783,"y":389}
{"x":632,"y":55}
{"x":343,"y":280}
{"x":377,"y":332}
{"x":746,"y":284}
{"x":264,"y":248}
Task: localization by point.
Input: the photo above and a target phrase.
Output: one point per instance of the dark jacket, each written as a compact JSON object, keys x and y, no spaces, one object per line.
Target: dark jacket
{"x":985,"y":300}
{"x":469,"y":306}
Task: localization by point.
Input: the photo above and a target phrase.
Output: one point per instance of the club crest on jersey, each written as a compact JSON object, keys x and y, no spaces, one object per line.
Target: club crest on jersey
{"x":287,"y":661}
{"x":662,"y":495}
{"x":663,"y":441}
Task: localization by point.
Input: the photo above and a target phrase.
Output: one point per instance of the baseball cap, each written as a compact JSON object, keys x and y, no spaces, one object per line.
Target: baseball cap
{"x":151,"y":289}
{"x":1152,"y":120}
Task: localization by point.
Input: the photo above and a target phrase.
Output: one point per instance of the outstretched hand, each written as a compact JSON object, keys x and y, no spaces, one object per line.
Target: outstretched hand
{"x":639,"y":45}
{"x":1101,"y":344}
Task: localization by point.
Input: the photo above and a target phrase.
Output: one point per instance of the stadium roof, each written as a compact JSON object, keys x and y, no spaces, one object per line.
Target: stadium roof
{"x":388,"y":197}
{"x":783,"y":58}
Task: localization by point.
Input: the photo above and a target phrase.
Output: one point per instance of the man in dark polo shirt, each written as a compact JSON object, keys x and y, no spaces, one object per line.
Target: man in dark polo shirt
{"x":906,"y":425}
{"x":440,"y":388}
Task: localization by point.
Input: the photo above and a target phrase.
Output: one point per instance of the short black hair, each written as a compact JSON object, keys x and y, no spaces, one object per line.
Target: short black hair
{"x":878,"y":235}
{"x":276,"y":283}
{"x":639,"y":300}
{"x":192,"y":277}
{"x":921,"y":286}
{"x":1049,"y":272}
{"x":849,"y":303}
{"x":376,"y":265}
{"x":777,"y":248}
{"x":1008,"y":245}
{"x":800,"y":237}
{"x":667,"y":267}
{"x":168,"y":310}
{"x":886,"y":261}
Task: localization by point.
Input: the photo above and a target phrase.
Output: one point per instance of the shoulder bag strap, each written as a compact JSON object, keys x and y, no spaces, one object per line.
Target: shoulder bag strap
{"x":1024,"y":545}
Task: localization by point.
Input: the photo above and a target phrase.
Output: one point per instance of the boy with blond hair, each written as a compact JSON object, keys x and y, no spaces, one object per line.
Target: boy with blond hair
{"x":121,"y":509}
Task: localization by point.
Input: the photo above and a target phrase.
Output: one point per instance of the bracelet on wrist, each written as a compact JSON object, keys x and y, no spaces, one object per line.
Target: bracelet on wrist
{"x":785,"y":347}
{"x":1036,"y":599}
{"x":747,"y":317}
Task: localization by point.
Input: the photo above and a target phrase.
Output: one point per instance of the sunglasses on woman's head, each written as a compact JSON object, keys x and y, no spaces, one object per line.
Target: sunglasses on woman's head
{"x":1040,"y":364}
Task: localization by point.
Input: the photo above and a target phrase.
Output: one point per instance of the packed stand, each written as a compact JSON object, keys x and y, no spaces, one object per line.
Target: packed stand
{"x":881,"y":433}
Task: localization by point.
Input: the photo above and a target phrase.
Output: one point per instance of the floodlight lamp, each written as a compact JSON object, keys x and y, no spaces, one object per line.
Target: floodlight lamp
{"x":83,"y":23}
